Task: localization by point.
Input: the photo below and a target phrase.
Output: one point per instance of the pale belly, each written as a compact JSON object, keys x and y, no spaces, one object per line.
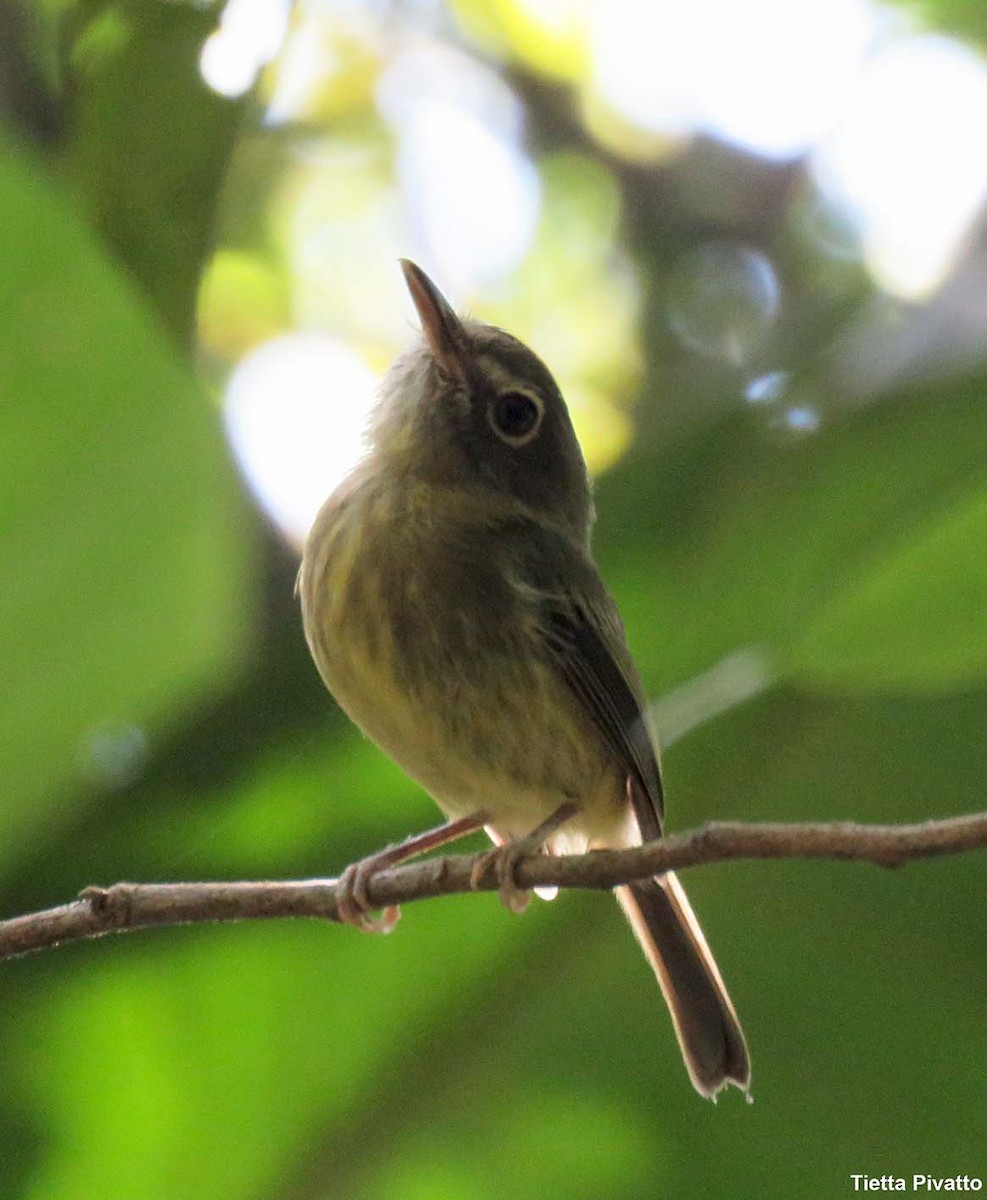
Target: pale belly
{"x":439,"y":663}
{"x":517,"y":762}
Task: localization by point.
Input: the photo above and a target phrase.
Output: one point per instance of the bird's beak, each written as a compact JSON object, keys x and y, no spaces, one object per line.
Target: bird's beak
{"x":443,"y":330}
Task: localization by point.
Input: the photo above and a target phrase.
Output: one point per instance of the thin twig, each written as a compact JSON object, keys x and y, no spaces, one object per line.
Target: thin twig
{"x":129,"y":906}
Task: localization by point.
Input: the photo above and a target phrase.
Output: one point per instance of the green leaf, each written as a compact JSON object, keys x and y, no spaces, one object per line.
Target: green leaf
{"x":964,"y":19}
{"x":124,"y":591}
{"x":918,"y":616}
{"x":746,"y":541}
{"x":150,"y":146}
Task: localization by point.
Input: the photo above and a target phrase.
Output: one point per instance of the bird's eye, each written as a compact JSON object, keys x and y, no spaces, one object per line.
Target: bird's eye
{"x":516,"y":416}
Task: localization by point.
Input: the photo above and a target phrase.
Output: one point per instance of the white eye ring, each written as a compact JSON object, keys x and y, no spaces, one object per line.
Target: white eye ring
{"x":516,"y":415}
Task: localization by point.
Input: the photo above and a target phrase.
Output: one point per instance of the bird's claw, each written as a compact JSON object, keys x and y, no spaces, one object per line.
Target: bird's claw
{"x":503,"y":860}
{"x":353,"y":905}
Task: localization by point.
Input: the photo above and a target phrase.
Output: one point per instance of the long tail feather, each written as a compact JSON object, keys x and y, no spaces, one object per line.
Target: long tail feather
{"x":706,"y":1024}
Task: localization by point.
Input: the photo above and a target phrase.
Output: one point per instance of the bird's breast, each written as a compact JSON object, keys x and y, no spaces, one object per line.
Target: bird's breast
{"x":432,"y":650}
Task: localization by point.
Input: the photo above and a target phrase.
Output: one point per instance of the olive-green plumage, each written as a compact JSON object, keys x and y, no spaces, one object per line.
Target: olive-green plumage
{"x":452,"y":607}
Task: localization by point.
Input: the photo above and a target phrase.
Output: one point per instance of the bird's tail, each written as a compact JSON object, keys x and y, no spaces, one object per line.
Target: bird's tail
{"x":706,"y":1024}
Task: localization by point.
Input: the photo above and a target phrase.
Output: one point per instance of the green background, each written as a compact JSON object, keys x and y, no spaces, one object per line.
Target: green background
{"x":160,"y":719}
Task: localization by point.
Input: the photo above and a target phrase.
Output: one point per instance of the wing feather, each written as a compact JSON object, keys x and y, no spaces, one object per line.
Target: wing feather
{"x":583,"y":634}
{"x":583,"y":649}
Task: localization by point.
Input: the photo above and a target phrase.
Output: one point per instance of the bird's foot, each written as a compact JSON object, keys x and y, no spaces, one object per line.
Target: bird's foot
{"x":353,"y":905}
{"x":503,"y":860}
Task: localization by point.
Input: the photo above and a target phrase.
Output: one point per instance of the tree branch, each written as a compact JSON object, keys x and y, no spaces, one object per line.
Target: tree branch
{"x":129,"y":906}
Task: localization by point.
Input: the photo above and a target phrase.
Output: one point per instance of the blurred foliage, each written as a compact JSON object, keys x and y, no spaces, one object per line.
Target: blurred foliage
{"x":966,"y":18}
{"x":160,"y":717}
{"x":109,"y":539}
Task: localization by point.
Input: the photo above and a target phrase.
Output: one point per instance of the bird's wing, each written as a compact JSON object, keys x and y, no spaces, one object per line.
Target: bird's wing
{"x":586,"y":659}
{"x":584,"y":636}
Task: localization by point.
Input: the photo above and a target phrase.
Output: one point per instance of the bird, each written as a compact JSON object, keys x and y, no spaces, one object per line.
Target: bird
{"x":452,"y":606}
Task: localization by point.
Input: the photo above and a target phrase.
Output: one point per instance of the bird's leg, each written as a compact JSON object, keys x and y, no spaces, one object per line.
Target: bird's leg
{"x":504,"y":859}
{"x":352,"y":903}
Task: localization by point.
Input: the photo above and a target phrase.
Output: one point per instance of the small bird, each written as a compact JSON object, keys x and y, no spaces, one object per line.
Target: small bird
{"x":453,"y":609}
